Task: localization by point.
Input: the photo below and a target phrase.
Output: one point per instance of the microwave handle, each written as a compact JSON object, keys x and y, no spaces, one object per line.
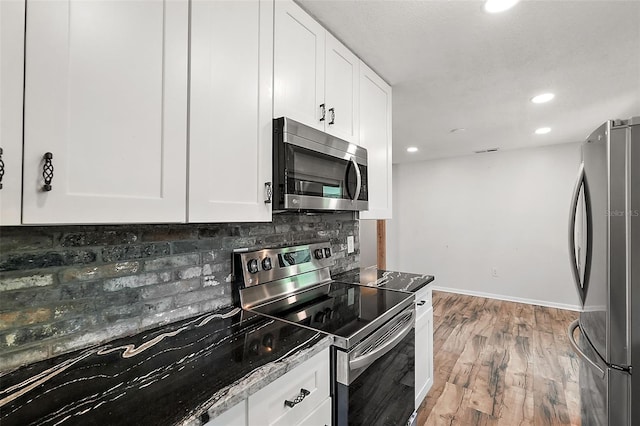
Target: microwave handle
{"x":358,"y":179}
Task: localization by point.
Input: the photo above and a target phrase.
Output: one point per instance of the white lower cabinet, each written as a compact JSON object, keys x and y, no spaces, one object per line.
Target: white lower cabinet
{"x":300,"y":397}
{"x":305,"y":388}
{"x":424,"y":345}
{"x":321,"y":416}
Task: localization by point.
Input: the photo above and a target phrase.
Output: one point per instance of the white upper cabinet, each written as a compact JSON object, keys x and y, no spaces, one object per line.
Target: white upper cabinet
{"x":106,"y":95}
{"x":375,"y":136}
{"x":298,"y":85}
{"x":315,"y":76}
{"x":11,"y":72}
{"x":341,"y":90}
{"x":231,"y":109}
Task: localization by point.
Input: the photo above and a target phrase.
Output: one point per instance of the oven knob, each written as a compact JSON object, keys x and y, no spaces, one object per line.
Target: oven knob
{"x":327,"y":252}
{"x":266,"y":263}
{"x":254,"y":347}
{"x":267,"y":342}
{"x":318,"y":253}
{"x":252,"y":266}
{"x":328,"y":313}
{"x":319,"y":317}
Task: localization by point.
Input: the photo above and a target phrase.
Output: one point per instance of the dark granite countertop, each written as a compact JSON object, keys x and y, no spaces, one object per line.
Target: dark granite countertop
{"x":394,"y":280}
{"x":181,"y":373}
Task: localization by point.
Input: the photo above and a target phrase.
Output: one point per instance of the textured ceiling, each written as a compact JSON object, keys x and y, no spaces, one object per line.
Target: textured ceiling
{"x":452,"y":65}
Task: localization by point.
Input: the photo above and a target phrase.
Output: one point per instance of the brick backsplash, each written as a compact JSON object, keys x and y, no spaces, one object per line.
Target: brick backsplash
{"x":64,"y":288}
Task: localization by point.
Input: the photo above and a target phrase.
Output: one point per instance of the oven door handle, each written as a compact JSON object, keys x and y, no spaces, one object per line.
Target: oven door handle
{"x":358,"y":179}
{"x":370,"y":357}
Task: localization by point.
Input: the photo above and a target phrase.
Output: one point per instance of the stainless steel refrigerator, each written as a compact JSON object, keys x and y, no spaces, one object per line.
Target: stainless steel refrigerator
{"x":604,"y":240}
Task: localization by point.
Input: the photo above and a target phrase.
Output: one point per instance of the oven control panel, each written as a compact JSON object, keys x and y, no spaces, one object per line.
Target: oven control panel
{"x":262,"y":266}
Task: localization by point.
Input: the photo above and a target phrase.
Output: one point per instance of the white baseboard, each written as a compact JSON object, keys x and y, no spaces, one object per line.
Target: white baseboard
{"x":508,"y":298}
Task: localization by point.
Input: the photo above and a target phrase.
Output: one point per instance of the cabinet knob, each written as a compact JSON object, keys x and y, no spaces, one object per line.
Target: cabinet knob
{"x":323,"y":111}
{"x":333,"y":116}
{"x":1,"y":168}
{"x":47,"y":172}
{"x":298,"y":399}
{"x":422,"y":302}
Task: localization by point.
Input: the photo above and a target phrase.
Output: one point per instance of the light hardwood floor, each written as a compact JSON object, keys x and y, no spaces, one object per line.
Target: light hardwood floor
{"x":500,"y":363}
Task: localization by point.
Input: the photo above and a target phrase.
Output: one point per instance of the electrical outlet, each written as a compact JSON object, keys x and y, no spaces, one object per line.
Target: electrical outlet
{"x":350,"y":244}
{"x":494,"y":272}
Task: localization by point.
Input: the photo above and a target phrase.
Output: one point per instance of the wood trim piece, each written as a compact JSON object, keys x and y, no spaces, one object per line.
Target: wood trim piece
{"x":381,"y":241}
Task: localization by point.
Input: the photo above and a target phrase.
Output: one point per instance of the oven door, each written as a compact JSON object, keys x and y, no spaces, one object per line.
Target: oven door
{"x":374,"y":383}
{"x":320,"y":179}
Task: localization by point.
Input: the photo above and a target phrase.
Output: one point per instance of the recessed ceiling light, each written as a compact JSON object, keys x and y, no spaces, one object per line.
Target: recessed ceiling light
{"x":545,"y":97}
{"x":543,"y":130}
{"x":497,"y":6}
{"x":412,"y":149}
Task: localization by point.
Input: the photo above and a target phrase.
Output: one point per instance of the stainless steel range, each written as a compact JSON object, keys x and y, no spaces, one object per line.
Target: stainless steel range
{"x":372,"y":328}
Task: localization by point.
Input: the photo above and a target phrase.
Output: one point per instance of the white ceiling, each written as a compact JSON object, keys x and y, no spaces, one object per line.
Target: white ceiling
{"x":452,"y":65}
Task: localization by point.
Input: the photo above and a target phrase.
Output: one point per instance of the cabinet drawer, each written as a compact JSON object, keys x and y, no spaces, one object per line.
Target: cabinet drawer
{"x":234,"y":416}
{"x":267,"y":406}
{"x":320,"y":416}
{"x":423,"y":302}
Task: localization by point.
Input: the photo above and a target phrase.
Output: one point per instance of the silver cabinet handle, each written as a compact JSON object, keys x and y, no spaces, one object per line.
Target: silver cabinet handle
{"x":572,"y":227}
{"x":298,"y":399}
{"x":268,"y":192}
{"x":324,"y":112}
{"x":333,"y":116}
{"x":385,"y":347}
{"x":578,"y":351}
{"x":358,"y":179}
{"x":422,"y":302}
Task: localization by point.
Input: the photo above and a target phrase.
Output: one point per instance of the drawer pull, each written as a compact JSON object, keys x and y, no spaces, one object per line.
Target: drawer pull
{"x":47,"y":172}
{"x":298,"y":399}
{"x":333,"y":115}
{"x":422,"y":302}
{"x":1,"y":168}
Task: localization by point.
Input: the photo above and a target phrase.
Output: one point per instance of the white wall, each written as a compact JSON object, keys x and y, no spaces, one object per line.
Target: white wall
{"x":458,"y":218}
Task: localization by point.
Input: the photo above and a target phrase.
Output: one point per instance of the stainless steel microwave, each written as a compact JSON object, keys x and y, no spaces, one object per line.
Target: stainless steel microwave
{"x":313,"y":170}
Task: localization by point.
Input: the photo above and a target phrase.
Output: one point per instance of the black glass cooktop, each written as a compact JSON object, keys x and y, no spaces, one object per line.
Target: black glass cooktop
{"x":349,"y":312}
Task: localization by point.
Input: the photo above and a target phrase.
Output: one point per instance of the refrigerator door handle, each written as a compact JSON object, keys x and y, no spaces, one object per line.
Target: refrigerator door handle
{"x":572,"y":226}
{"x":577,"y":350}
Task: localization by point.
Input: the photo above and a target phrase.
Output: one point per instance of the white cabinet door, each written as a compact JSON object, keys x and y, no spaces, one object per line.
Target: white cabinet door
{"x":375,"y":136}
{"x":11,"y":72}
{"x":424,"y":355}
{"x":309,"y":382}
{"x":341,"y":90}
{"x":234,"y":416}
{"x":299,"y":52}
{"x":230,"y":110}
{"x":106,"y":95}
